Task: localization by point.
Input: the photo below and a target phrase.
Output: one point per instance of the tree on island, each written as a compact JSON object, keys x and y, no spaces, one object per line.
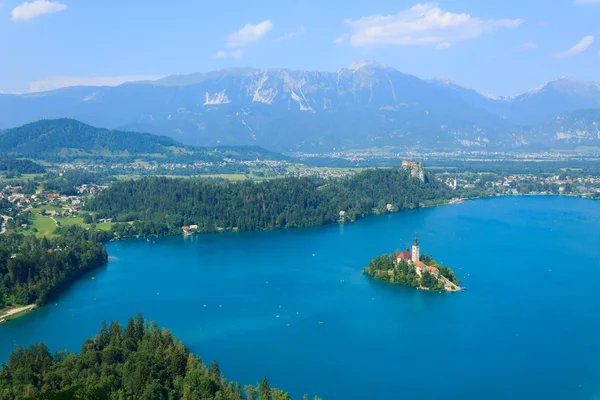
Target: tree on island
{"x":389,"y":268}
{"x":444,"y":271}
{"x":426,"y":259}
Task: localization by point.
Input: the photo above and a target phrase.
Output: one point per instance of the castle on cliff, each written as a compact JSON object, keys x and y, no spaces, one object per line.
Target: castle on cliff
{"x":415,"y":168}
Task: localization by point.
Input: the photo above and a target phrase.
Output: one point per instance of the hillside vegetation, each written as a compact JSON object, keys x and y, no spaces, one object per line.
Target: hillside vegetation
{"x":68,"y":140}
{"x":32,"y":269}
{"x":138,"y":362}
{"x":161,"y":206}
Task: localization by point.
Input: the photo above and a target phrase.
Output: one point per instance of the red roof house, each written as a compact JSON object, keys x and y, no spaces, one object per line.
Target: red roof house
{"x":405,"y":255}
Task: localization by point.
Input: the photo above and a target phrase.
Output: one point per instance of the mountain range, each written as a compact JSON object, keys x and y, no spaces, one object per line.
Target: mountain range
{"x":363,"y":106}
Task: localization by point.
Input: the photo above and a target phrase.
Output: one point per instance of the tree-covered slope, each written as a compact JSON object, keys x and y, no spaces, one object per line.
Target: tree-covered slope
{"x":48,"y":138}
{"x":138,"y":362}
{"x":32,"y":269}
{"x":69,"y":140}
{"x":16,"y":165}
{"x":161,"y":206}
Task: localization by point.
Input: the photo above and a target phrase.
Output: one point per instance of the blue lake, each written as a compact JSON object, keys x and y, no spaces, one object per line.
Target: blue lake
{"x":527,"y":328}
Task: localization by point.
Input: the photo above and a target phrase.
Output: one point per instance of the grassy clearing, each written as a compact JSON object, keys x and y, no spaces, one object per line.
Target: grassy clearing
{"x":46,"y":207}
{"x":302,"y":168}
{"x":5,"y":180}
{"x":69,"y":221}
{"x":44,"y":225}
{"x":105,"y":226}
{"x":127,"y":177}
{"x":231,"y":177}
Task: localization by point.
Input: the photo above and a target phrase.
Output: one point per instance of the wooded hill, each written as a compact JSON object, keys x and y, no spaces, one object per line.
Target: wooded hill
{"x":138,"y":362}
{"x":161,"y":206}
{"x":68,"y":140}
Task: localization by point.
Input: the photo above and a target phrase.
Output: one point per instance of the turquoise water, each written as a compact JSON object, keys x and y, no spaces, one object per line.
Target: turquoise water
{"x":519,"y":332}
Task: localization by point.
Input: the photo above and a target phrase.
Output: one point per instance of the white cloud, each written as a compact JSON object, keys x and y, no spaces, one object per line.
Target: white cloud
{"x":248,"y":34}
{"x":299,"y":32}
{"x":443,"y":45}
{"x":587,"y":1}
{"x":529,"y":45}
{"x":66,"y":81}
{"x":237,"y":40}
{"x":424,"y":24}
{"x":236,"y":53}
{"x":340,"y":39}
{"x":580,"y":47}
{"x":30,"y":10}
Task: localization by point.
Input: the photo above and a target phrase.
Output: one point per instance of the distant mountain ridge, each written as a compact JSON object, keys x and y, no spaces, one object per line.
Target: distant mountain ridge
{"x":362,"y":106}
{"x":67,"y":140}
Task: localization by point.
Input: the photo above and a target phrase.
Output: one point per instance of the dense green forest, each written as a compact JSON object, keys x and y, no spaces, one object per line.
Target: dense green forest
{"x":138,"y":362}
{"x":12,"y":166}
{"x":386,"y":268}
{"x":32,"y":269}
{"x":161,"y":206}
{"x":68,"y":140}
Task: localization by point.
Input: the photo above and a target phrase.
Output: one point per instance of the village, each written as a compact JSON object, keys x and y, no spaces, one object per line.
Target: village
{"x":42,"y":211}
{"x":488,"y":184}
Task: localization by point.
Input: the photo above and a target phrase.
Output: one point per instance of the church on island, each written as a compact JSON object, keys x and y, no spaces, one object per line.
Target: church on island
{"x":415,"y":260}
{"x":411,"y":268}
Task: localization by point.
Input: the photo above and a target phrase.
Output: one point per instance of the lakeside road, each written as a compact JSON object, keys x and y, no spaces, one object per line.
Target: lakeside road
{"x":16,"y":311}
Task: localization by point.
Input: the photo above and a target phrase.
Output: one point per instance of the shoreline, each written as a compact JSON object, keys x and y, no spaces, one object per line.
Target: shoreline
{"x":463,"y":199}
{"x":16,"y":312}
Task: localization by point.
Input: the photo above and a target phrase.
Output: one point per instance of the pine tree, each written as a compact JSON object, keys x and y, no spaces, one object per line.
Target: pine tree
{"x":104,"y":339}
{"x":264,"y":390}
{"x":214,"y":370}
{"x":130,"y":329}
{"x":251,"y":392}
{"x":139,"y":326}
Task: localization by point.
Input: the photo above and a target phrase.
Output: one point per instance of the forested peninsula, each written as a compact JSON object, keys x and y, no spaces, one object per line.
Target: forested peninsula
{"x":162,"y":206}
{"x":32,"y":269}
{"x":138,"y":362}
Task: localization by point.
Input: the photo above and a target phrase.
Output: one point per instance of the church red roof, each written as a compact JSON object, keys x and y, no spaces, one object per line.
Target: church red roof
{"x":405,"y":255}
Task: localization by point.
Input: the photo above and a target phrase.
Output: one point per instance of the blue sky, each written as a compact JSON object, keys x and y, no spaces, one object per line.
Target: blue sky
{"x":501,"y":47}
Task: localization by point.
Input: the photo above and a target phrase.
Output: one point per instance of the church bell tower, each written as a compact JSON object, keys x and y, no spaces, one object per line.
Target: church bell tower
{"x":415,"y":250}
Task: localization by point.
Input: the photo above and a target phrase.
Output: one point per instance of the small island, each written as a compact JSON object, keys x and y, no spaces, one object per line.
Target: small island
{"x":412,"y":269}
